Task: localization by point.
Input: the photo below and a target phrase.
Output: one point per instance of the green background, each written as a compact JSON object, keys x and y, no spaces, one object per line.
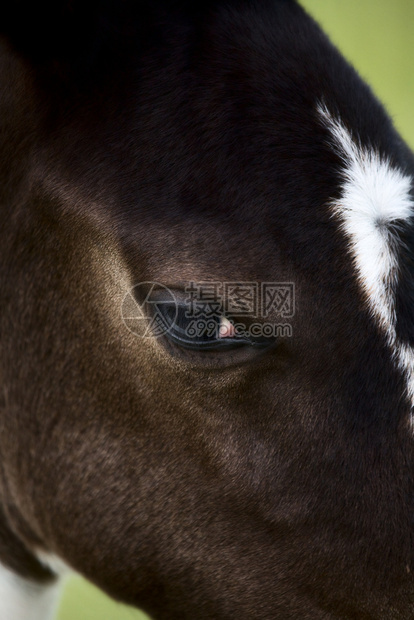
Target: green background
{"x":377,"y":36}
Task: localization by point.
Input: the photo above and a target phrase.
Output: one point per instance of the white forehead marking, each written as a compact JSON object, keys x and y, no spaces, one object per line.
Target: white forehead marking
{"x":374,"y":195}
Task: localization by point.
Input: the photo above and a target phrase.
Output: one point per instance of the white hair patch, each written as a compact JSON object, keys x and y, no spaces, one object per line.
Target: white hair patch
{"x":21,"y":599}
{"x":54,"y":563}
{"x":374,"y":196}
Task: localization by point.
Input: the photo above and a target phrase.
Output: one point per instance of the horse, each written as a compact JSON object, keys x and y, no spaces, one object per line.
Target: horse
{"x":206,"y":324}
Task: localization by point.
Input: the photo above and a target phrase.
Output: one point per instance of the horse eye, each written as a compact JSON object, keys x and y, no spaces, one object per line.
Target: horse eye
{"x":203,"y":332}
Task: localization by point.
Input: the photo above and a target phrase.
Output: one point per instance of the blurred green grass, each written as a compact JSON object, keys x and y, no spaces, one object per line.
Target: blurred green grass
{"x":82,"y":601}
{"x":376,"y":36}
